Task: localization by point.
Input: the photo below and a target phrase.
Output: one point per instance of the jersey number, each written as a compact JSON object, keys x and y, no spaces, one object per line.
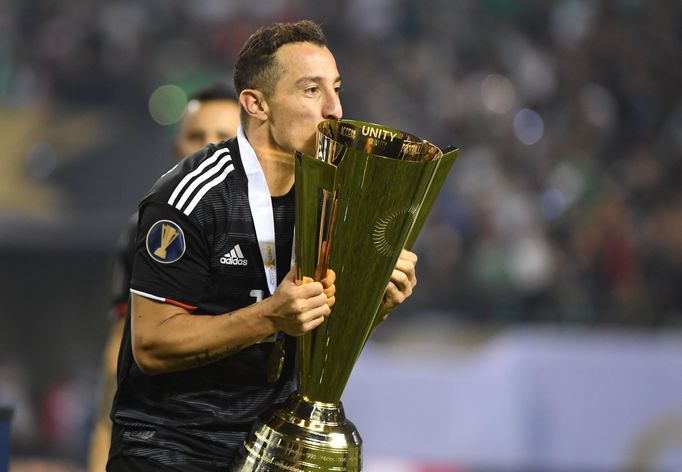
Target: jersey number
{"x":257,"y":294}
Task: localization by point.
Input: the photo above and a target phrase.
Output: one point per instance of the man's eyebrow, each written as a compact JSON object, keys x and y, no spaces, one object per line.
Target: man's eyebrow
{"x":316,"y":79}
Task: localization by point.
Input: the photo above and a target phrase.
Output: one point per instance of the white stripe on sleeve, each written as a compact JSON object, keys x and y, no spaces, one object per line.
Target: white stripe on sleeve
{"x":195,"y":172}
{"x":208,"y":186}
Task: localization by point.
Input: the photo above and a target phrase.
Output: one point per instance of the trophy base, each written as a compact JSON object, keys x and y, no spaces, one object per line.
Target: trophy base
{"x":302,"y":436}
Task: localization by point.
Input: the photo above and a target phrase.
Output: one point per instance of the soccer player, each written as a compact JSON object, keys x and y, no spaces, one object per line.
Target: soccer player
{"x":215,"y":306}
{"x":211,"y":116}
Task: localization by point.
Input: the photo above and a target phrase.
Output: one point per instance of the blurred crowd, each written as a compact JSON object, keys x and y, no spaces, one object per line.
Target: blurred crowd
{"x":565,"y":204}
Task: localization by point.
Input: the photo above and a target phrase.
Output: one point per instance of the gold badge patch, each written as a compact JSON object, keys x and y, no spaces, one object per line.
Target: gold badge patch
{"x":165,"y":242}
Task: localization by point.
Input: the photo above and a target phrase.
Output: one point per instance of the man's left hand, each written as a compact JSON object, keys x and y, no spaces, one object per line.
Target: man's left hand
{"x":403,"y":281}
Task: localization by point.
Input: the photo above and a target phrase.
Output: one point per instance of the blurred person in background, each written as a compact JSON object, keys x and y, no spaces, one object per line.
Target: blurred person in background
{"x":215,"y":307}
{"x":211,"y":116}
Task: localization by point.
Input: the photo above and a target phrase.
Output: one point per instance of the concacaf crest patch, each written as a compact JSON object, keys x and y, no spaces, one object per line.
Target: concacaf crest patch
{"x":165,"y":242}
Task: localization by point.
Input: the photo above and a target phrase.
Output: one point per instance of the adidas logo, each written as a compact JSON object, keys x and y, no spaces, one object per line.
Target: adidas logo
{"x":234,"y":257}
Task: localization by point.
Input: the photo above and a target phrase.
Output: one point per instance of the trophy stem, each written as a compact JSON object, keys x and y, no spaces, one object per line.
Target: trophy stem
{"x":301,"y":435}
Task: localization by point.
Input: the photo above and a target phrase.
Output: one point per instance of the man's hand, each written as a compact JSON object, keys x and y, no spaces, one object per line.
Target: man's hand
{"x":329,"y":287}
{"x":300,"y":308}
{"x":403,"y":281}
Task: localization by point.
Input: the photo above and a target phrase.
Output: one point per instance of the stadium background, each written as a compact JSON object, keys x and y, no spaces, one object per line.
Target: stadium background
{"x":544,"y":333}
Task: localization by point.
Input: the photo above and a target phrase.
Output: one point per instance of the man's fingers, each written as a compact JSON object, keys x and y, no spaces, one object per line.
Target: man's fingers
{"x":329,"y":278}
{"x":304,"y":281}
{"x":409,"y":256}
{"x":313,"y":303}
{"x":393,"y":295}
{"x":309,"y":289}
{"x":313,"y":323}
{"x":402,"y":283}
{"x":304,"y":319}
{"x":405,"y":266}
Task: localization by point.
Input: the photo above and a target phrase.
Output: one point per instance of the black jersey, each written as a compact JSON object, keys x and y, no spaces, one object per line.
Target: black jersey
{"x":197,"y":248}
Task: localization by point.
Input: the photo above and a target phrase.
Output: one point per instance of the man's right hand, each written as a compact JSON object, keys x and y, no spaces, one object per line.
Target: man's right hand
{"x":300,"y":308}
{"x":168,"y":338}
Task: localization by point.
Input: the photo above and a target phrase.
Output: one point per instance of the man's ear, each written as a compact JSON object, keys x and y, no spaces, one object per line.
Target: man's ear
{"x":254,"y":104}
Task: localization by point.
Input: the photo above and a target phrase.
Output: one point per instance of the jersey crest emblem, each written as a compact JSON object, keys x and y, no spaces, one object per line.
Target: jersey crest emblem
{"x":165,"y":242}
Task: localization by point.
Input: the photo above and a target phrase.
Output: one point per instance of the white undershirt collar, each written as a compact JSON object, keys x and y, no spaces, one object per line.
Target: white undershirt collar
{"x":260,"y":203}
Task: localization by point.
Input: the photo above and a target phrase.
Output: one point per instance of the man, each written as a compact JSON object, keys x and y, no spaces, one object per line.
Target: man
{"x":214,"y":303}
{"x":211,"y":116}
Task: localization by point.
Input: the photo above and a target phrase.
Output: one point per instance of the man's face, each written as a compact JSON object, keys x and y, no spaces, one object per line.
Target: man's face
{"x":306,"y":94}
{"x":206,"y":122}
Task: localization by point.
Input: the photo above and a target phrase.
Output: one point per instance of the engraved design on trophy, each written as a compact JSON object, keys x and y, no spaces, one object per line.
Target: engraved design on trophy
{"x":362,"y":199}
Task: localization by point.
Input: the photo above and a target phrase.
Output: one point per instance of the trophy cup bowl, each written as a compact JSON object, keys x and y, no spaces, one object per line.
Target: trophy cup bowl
{"x":361,"y":200}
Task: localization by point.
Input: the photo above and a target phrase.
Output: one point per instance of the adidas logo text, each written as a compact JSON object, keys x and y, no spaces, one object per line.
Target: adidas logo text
{"x":234,"y":257}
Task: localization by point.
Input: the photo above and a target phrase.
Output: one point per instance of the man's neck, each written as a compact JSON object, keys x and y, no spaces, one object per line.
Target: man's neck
{"x":278,"y":168}
{"x":278,"y":165}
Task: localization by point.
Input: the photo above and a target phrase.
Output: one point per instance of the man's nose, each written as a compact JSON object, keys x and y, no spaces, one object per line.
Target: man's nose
{"x":332,"y":107}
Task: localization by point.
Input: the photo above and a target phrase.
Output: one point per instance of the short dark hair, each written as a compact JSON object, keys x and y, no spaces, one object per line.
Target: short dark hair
{"x":214,"y":91}
{"x":256,"y":66}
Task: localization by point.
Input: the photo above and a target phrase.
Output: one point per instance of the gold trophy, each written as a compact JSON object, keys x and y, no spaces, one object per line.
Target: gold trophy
{"x":363,"y":198}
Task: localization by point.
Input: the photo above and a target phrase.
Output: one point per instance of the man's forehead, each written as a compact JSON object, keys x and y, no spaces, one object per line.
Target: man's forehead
{"x":289,"y":47}
{"x":303,"y":52}
{"x":307,"y":60}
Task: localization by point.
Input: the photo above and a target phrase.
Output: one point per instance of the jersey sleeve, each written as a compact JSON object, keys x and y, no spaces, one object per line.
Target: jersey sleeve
{"x":171,"y":259}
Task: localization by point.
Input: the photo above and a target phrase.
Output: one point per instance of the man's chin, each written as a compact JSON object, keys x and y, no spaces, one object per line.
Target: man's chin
{"x":309,"y":148}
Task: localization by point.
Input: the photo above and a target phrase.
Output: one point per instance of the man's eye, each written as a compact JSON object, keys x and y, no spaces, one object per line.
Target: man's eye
{"x":312,"y":90}
{"x":338,"y":89}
